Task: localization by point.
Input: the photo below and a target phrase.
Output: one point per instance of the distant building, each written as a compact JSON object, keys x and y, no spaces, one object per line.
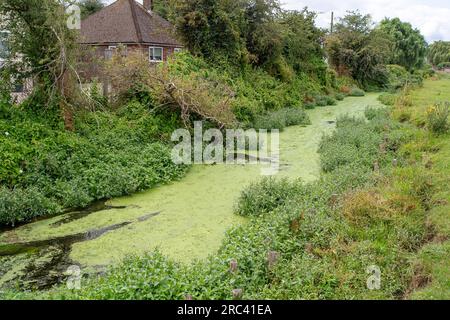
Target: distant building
{"x":134,"y":26}
{"x":126,"y":24}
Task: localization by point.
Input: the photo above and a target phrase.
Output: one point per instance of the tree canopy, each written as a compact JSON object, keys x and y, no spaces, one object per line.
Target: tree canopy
{"x":89,"y":7}
{"x":409,"y":48}
{"x":256,"y":32}
{"x":439,"y":53}
{"x":359,"y":50}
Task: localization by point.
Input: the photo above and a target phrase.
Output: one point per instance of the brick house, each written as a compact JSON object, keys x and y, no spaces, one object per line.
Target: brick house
{"x":124,"y":23}
{"x":129,"y":24}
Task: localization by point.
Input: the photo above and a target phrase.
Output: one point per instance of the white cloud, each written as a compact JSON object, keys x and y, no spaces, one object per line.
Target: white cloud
{"x":431,"y":17}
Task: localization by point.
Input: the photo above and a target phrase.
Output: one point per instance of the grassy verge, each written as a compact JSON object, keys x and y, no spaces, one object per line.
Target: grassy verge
{"x":432,"y":263}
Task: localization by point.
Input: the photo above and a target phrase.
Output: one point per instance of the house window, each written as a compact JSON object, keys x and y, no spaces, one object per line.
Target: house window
{"x":156,"y":54}
{"x":18,"y":87}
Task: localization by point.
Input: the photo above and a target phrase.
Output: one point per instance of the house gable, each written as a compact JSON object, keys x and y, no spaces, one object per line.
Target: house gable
{"x":127,"y":22}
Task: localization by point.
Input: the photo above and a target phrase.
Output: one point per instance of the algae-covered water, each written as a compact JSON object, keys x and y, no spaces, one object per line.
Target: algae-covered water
{"x":186,"y":219}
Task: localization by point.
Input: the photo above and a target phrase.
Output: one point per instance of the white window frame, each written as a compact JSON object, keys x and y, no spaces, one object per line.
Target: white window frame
{"x":150,"y":54}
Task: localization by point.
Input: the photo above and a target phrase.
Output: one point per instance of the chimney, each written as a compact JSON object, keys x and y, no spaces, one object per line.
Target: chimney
{"x":148,"y":5}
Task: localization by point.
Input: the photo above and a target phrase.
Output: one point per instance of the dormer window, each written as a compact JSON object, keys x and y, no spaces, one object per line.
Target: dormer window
{"x":156,"y":54}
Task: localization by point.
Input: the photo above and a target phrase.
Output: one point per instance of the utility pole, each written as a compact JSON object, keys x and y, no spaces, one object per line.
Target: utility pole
{"x":332,"y":22}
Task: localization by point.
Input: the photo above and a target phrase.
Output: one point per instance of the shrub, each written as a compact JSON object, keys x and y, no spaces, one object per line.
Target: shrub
{"x":443,"y":65}
{"x":356,"y":92}
{"x":388,"y":99}
{"x":340,"y":96}
{"x":21,"y":205}
{"x":47,"y":169}
{"x":345,"y":90}
{"x":437,"y":116}
{"x":296,"y":116}
{"x":309,"y":105}
{"x":404,"y":100}
{"x":355,"y":143}
{"x":265,"y":196}
{"x":323,"y":101}
{"x":281,"y":119}
{"x":331,"y":101}
{"x":398,"y":77}
{"x":373,"y":112}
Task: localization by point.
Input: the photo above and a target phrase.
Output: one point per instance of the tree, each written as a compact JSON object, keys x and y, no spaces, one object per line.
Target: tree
{"x":192,"y":94}
{"x":303,"y":42}
{"x":409,"y":48}
{"x":166,"y":9}
{"x":211,"y":28}
{"x":439,"y":52}
{"x":263,"y":35}
{"x":255,"y":32}
{"x":89,"y":7}
{"x":356,"y":49}
{"x":43,"y":48}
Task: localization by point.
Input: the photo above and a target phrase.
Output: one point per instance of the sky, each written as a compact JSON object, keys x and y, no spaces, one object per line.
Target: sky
{"x":431,"y":17}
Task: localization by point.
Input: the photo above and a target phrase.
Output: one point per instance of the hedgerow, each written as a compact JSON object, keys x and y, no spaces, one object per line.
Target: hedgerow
{"x":46,"y":169}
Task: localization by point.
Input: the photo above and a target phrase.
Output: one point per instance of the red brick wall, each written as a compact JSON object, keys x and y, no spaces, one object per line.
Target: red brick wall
{"x":90,"y":68}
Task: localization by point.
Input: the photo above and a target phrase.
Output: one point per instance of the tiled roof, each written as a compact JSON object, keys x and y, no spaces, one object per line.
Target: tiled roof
{"x":126,"y":21}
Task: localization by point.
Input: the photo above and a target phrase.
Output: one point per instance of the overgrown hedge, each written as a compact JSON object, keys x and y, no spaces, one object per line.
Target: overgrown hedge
{"x":45,"y":168}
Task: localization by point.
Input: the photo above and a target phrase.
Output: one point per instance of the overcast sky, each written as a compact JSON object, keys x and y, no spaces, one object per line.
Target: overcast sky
{"x":432,"y":17}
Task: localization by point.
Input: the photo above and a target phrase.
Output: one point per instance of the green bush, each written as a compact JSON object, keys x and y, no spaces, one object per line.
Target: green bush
{"x":309,"y":105}
{"x":438,"y":118}
{"x":388,"y":99}
{"x":372,"y":113}
{"x":443,"y":65}
{"x":323,"y":101}
{"x":22,"y":205}
{"x":281,"y":119}
{"x":265,"y":196}
{"x":46,"y":169}
{"x":356,"y":92}
{"x":340,"y":96}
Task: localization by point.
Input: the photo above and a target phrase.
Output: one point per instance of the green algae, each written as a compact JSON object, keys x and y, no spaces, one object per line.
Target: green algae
{"x":188,"y":218}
